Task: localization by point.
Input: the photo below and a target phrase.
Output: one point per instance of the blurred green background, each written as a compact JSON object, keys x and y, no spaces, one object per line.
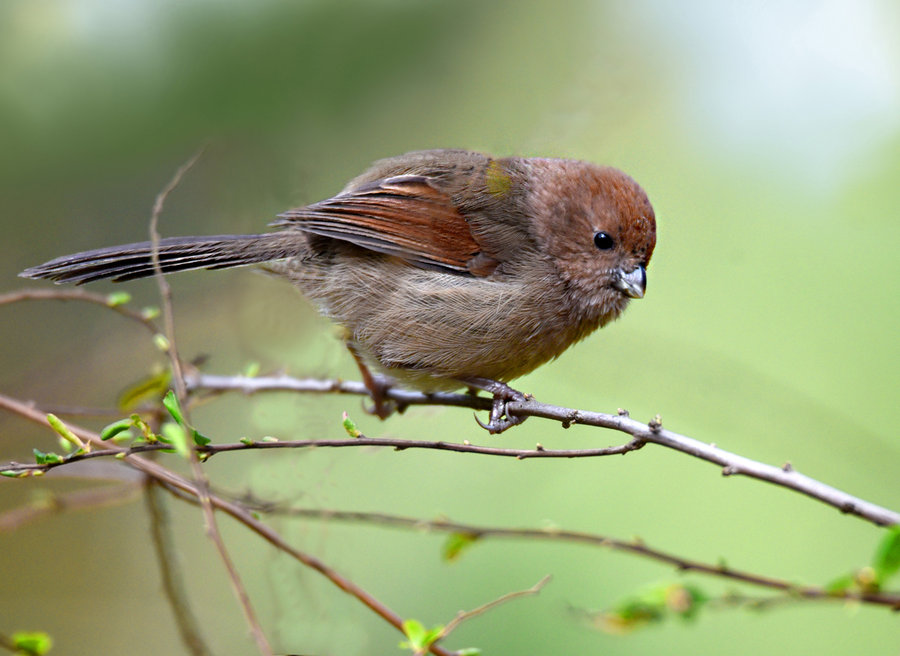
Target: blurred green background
{"x":768,"y":139}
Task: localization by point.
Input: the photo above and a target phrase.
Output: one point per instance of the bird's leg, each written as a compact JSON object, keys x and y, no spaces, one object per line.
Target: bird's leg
{"x":500,"y":419}
{"x":378,"y":385}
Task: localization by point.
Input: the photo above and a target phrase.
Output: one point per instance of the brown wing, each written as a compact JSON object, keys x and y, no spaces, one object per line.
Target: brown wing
{"x":401,"y":215}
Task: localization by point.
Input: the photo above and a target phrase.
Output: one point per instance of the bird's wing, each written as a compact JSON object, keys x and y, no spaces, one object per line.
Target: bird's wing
{"x":403,"y":215}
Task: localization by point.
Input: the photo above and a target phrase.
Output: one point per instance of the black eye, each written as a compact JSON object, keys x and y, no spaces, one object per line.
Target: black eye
{"x":603,"y":241}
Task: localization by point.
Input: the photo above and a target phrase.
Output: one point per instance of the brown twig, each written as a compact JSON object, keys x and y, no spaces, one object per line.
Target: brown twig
{"x":79,"y":295}
{"x":465,"y":615}
{"x":170,"y":571}
{"x":97,"y":497}
{"x":732,"y":464}
{"x":202,"y":484}
{"x":184,"y":487}
{"x":637,"y":547}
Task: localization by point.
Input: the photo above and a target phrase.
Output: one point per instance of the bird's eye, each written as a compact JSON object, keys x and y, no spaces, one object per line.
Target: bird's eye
{"x":603,"y":241}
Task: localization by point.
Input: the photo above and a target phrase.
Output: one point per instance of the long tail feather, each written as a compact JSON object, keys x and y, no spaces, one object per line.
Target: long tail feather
{"x":131,"y":261}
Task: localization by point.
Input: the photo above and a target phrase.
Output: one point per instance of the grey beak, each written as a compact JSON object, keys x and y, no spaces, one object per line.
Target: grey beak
{"x":633,"y":283}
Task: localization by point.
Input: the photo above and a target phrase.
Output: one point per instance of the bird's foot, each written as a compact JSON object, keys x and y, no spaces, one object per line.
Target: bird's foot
{"x":499,"y":419}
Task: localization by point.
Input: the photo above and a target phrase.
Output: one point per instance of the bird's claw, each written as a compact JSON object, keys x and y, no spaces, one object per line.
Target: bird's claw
{"x":500,"y":419}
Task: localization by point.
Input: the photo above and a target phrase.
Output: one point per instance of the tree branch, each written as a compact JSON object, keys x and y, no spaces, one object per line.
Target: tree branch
{"x":732,"y":464}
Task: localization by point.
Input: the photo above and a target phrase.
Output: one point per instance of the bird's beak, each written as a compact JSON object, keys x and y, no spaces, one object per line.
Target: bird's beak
{"x":632,"y":283}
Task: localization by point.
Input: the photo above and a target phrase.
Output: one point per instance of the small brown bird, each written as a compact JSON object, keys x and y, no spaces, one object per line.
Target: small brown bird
{"x":447,"y":268}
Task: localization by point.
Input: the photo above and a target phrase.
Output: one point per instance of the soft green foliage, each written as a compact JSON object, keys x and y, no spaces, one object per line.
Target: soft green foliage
{"x":170,"y":401}
{"x":118,"y":298}
{"x":419,"y":638}
{"x":63,"y":431}
{"x":350,"y":426}
{"x":32,"y":643}
{"x":42,"y":458}
{"x":653,"y":605}
{"x":116,"y":428}
{"x":887,"y":557}
{"x":456,"y":543}
{"x":149,"y":389}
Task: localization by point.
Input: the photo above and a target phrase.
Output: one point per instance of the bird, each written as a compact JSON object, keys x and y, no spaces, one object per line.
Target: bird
{"x":446,"y":268}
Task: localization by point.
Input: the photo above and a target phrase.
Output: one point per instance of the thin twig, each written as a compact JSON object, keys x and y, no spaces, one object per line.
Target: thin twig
{"x":553,"y":534}
{"x":200,"y":480}
{"x":465,"y":615}
{"x":732,"y":464}
{"x":96,"y":497}
{"x":397,"y":444}
{"x":171,"y":572}
{"x":80,"y":295}
{"x":188,"y":489}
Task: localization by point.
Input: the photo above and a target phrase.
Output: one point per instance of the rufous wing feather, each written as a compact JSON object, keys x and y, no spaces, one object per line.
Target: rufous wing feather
{"x":403,"y":215}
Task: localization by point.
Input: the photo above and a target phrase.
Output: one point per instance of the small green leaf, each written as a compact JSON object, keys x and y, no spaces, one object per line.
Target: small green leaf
{"x":176,"y":436}
{"x":150,"y":388}
{"x":840,"y":585}
{"x":170,"y":401}
{"x":246,"y":441}
{"x":63,"y":431}
{"x":11,"y":474}
{"x":150,"y":313}
{"x":455,"y":543}
{"x":887,"y":556}
{"x":469,"y":651}
{"x":199,"y":438}
{"x":252,"y":369}
{"x":420,"y":638}
{"x":118,"y":298}
{"x":115,"y":428}
{"x":161,"y":342}
{"x":413,"y":630}
{"x":33,"y":643}
{"x":350,"y":426}
{"x":42,"y":458}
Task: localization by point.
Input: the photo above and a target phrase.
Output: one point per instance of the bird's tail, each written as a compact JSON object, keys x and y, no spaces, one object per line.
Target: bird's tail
{"x":131,"y":261}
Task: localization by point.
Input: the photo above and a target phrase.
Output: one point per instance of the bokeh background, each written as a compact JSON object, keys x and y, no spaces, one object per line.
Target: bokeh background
{"x":768,"y":138}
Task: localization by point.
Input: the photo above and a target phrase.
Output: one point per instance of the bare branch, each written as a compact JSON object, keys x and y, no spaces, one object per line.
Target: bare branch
{"x":173,"y":482}
{"x":652,"y":432}
{"x":79,"y":295}
{"x":98,"y":497}
{"x":636,"y":547}
{"x":202,"y":484}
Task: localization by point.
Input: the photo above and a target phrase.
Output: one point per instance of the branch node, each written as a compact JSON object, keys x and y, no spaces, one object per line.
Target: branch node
{"x":655,"y":424}
{"x":730,"y":470}
{"x":787,"y":467}
{"x":622,"y":412}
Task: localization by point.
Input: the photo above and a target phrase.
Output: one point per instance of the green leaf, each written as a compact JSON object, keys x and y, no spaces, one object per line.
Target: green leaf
{"x":149,"y":388}
{"x":63,"y":431}
{"x":840,"y":584}
{"x":118,"y":298}
{"x":115,"y":428}
{"x":469,"y":651}
{"x":150,"y":313}
{"x":161,"y":342}
{"x":42,"y":458}
{"x":455,"y":543}
{"x":420,"y":638}
{"x":887,"y":556}
{"x":199,"y":438}
{"x":170,"y":401}
{"x":413,"y":630}
{"x":33,"y":643}
{"x":176,"y":436}
{"x":350,"y":426}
